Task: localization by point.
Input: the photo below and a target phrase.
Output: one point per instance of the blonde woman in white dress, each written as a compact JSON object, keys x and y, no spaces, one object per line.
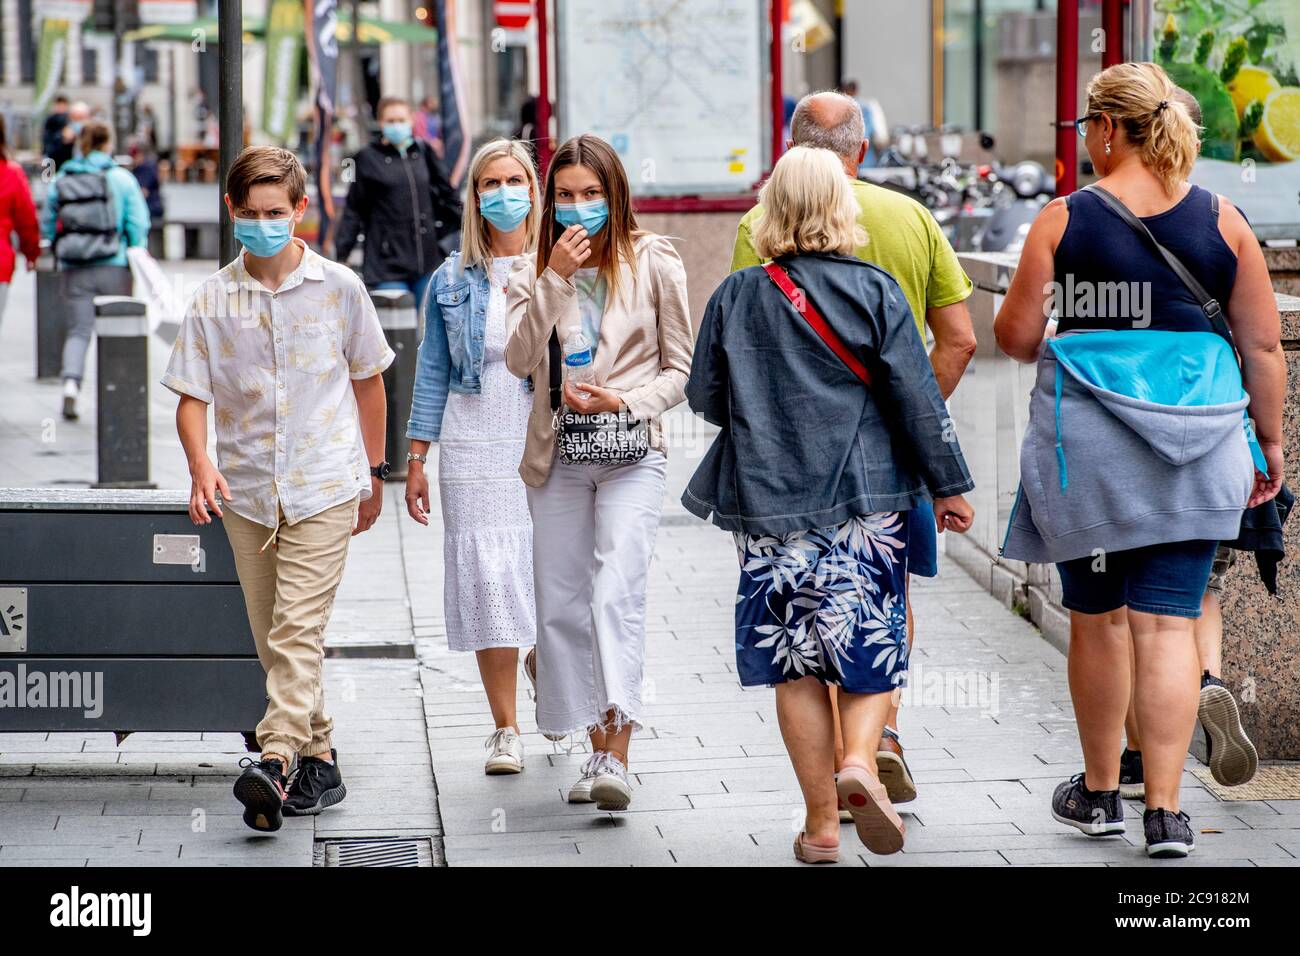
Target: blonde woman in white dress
{"x":466,"y":400}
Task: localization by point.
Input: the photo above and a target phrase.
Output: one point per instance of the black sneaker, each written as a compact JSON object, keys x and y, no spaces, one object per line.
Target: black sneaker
{"x":1096,"y":813}
{"x":1229,"y":752}
{"x":316,"y":784}
{"x":70,"y":408}
{"x":1131,"y":784}
{"x":260,"y":788}
{"x":1168,"y":834}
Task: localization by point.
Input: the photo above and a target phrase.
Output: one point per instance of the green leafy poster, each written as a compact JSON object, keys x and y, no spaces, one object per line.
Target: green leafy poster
{"x":1240,"y":59}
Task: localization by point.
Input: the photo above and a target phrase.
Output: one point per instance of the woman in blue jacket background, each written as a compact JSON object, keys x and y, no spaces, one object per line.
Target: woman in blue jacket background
{"x":466,"y":400}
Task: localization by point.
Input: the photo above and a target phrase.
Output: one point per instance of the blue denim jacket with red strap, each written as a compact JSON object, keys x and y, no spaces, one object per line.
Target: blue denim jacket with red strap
{"x":804,"y":444}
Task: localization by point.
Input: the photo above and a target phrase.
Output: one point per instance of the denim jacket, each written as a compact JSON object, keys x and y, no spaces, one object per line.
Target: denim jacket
{"x":804,"y":443}
{"x":451,"y":353}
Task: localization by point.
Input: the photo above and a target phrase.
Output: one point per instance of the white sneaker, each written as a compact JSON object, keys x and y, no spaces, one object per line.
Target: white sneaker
{"x":610,"y":789}
{"x":580,"y":792}
{"x":507,"y":754}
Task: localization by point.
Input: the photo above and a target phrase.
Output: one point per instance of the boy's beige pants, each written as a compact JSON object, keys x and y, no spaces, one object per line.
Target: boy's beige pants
{"x":289,"y":576}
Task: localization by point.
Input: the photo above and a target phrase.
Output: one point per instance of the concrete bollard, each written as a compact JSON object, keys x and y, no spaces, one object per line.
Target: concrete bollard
{"x":50,"y":330}
{"x":397,"y":316}
{"x":122,"y":333}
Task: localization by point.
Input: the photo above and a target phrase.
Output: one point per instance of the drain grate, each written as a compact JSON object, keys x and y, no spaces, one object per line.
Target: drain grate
{"x":373,"y":852}
{"x":1271,"y":782}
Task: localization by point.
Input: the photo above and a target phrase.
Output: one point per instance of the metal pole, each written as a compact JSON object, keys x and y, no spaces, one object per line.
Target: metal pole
{"x":230,"y":107}
{"x":1067,"y":82}
{"x":542,"y":115}
{"x":977,"y":34}
{"x":778,"y":100}
{"x":1112,"y":29}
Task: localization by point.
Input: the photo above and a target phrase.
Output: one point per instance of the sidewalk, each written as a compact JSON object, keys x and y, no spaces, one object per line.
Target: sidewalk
{"x":988,"y":727}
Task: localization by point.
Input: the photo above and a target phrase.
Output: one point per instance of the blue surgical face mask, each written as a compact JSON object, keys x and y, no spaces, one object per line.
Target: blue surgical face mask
{"x":399,"y":134}
{"x":591,"y":216}
{"x":263,"y":237}
{"x":506,"y":206}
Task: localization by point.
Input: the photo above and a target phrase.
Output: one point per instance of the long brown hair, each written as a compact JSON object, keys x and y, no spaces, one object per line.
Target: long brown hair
{"x":621,"y":229}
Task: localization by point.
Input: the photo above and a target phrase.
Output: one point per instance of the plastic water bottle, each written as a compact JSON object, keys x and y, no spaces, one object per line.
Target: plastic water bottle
{"x":577,"y":360}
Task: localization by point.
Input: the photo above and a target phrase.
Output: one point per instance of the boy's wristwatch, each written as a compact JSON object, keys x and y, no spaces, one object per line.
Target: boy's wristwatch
{"x":382,"y":470}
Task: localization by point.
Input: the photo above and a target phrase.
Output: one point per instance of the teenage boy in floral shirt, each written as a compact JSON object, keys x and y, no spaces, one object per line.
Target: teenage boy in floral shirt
{"x":286,"y":348}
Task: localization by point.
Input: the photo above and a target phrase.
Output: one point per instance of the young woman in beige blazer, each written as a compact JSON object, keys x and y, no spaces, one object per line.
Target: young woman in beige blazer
{"x":594,"y":525}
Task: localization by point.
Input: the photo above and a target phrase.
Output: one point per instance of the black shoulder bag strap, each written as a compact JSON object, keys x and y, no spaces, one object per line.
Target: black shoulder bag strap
{"x":1209,"y":305}
{"x":553,"y":350}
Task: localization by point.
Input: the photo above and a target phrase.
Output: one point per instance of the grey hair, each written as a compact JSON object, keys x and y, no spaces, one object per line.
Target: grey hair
{"x":843,"y":139}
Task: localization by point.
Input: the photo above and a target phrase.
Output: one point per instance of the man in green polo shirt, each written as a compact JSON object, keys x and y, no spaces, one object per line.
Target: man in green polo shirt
{"x":904,"y":240}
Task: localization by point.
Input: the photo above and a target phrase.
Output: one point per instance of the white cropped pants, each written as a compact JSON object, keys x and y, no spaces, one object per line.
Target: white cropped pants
{"x":594,"y":530}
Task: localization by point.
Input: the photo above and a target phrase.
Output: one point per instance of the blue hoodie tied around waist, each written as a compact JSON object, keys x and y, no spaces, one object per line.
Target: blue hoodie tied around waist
{"x":1135,"y":437}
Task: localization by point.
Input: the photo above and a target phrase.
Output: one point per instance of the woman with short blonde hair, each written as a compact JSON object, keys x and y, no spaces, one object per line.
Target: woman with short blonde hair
{"x":832,"y":430}
{"x":808,"y":206}
{"x":466,"y":400}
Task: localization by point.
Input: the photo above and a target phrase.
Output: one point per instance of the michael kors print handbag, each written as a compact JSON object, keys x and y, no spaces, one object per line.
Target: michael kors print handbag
{"x":605,"y":438}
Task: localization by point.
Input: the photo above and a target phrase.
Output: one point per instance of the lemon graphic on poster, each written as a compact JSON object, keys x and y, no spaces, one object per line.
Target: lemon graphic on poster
{"x":1251,"y":83}
{"x":1278,"y":136}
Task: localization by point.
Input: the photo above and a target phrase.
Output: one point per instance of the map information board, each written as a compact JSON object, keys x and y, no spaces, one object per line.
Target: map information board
{"x":678,"y":87}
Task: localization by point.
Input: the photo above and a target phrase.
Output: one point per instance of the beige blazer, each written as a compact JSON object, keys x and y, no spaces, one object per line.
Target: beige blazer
{"x":644,"y":349}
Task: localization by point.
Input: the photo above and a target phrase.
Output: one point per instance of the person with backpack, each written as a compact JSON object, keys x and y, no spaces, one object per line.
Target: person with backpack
{"x":401,"y":202}
{"x":94,"y":211}
{"x":1139,"y":457}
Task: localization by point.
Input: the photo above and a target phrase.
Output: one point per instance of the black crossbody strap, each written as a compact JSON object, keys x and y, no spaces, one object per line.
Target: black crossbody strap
{"x":553,"y":347}
{"x":1209,"y":305}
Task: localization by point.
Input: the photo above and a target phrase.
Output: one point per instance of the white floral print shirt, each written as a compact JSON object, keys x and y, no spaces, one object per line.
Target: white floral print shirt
{"x":277,"y":369}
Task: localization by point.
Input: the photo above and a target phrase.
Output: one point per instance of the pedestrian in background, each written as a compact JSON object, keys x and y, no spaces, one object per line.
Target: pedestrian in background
{"x":94,"y":211}
{"x":401,"y":202}
{"x":55,"y":145}
{"x":905,"y":241}
{"x":820,"y":512}
{"x":1135,"y":463}
{"x":17,"y":218}
{"x":287,"y":349}
{"x":466,"y":400}
{"x":594,"y":521}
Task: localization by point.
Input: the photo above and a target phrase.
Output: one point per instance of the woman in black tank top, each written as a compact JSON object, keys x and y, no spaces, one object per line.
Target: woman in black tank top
{"x":1132,"y":616}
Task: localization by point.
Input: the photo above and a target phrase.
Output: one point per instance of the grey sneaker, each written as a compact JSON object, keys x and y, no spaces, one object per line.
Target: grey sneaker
{"x":610,"y":788}
{"x":1168,"y":834}
{"x":1096,"y":813}
{"x":1232,"y":757}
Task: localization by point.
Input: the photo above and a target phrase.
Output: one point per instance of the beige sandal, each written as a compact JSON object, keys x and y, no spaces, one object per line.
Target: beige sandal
{"x":807,"y":853}
{"x":879,"y":826}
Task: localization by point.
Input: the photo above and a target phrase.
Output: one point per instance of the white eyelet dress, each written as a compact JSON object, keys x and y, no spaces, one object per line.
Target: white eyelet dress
{"x":487,"y":536}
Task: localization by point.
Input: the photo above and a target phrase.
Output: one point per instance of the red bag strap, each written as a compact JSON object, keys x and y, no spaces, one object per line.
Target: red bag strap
{"x":803,"y":305}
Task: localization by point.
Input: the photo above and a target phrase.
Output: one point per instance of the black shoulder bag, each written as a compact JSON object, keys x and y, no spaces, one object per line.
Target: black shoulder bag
{"x":604,"y":438}
{"x":1272,"y":514}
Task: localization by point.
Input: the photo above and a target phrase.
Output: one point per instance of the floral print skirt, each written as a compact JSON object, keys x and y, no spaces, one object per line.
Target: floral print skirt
{"x":829,"y":603}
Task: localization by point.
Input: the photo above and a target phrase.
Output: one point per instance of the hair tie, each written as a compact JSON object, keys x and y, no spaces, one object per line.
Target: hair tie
{"x":1163,"y":104}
